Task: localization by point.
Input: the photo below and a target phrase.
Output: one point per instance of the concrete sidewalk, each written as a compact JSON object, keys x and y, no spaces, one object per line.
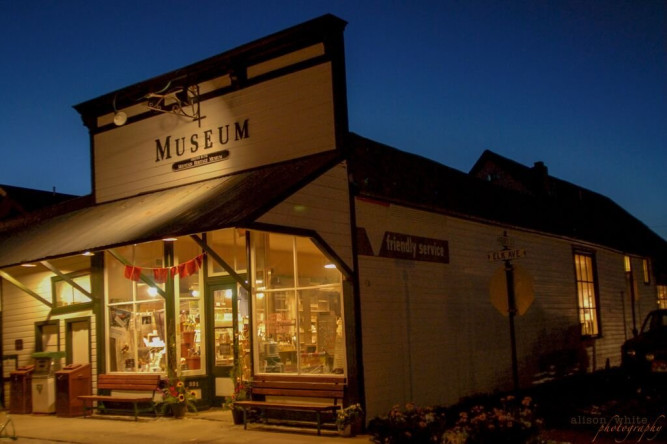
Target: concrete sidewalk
{"x":210,"y":426}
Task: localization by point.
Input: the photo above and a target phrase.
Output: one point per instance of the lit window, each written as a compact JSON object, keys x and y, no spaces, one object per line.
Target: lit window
{"x":73,"y":290}
{"x":587,"y":294}
{"x":298,"y":307}
{"x":647,"y":273}
{"x":135,"y":311}
{"x":662,"y":296}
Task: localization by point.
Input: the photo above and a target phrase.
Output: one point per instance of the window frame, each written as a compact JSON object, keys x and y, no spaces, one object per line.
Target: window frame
{"x":594,"y":284}
{"x":55,"y":280}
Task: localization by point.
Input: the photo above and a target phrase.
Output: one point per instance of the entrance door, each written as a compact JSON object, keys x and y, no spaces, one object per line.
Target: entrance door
{"x":78,"y":341}
{"x":230,"y":310}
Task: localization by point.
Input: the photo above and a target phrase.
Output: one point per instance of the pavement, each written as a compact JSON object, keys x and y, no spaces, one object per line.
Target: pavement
{"x":210,"y":426}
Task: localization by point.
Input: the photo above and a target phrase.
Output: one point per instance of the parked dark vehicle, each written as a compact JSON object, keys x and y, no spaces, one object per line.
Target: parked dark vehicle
{"x":646,"y":353}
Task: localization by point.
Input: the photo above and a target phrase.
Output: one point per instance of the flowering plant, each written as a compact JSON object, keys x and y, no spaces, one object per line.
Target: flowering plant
{"x":511,"y":422}
{"x":241,"y":387}
{"x":412,"y":424}
{"x":348,"y":415}
{"x":175,"y":393}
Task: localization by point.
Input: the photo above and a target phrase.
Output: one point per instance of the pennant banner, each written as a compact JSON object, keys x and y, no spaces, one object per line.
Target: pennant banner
{"x":160,"y":275}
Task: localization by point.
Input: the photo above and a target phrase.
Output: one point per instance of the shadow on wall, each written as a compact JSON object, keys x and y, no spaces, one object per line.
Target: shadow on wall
{"x":556,"y":354}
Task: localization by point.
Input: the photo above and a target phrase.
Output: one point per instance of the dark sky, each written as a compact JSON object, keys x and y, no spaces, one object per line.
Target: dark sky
{"x":580,"y":85}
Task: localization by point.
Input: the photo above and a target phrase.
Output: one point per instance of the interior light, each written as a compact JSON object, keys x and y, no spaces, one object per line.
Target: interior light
{"x":170,"y":239}
{"x":87,"y":253}
{"x":228,"y":294}
{"x":260,"y":295}
{"x":330,"y":266}
{"x":28,"y":265}
{"x":152,"y":291}
{"x":195,"y":293}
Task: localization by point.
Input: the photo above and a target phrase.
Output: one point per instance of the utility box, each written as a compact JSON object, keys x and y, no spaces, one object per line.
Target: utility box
{"x":20,"y":395}
{"x":72,"y":381}
{"x":43,"y":381}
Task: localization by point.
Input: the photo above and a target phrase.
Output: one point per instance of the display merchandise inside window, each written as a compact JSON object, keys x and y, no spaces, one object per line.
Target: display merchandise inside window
{"x":298,"y":316}
{"x":135,"y":310}
{"x":190,"y":305}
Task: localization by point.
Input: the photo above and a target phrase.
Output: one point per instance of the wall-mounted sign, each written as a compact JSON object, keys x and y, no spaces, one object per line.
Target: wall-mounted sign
{"x":415,"y":248}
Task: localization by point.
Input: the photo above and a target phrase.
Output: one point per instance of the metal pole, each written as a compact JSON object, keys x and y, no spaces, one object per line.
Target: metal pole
{"x":511,"y":303}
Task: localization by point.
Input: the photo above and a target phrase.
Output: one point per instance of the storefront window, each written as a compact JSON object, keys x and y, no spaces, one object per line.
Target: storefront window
{"x":298,"y":318}
{"x":135,"y":310}
{"x":188,"y":282}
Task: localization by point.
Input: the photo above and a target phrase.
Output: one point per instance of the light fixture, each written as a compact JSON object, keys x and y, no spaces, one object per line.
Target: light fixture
{"x":152,"y":291}
{"x":170,"y":239}
{"x":88,"y":253}
{"x":119,"y":117}
{"x":28,"y":265}
{"x":330,"y":266}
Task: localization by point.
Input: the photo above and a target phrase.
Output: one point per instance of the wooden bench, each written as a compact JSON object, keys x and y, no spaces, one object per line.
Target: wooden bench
{"x":317,"y":394}
{"x":132,"y":389}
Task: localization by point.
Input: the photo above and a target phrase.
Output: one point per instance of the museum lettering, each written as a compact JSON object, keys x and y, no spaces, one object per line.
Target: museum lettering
{"x":222,"y":135}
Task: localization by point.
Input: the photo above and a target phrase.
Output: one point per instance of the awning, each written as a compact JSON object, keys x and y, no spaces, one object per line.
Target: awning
{"x":217,"y":203}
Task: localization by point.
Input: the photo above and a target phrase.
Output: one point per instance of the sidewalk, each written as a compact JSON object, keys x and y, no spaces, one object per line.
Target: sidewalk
{"x":210,"y":426}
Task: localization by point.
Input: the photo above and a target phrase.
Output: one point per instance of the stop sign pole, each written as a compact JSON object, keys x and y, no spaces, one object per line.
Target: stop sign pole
{"x":511,"y":303}
{"x":506,"y":255}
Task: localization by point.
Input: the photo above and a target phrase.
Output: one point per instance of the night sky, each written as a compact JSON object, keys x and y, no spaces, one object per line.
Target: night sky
{"x":580,"y":85}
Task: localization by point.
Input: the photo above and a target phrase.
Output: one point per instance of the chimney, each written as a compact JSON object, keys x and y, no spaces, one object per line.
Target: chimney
{"x":541,"y":179}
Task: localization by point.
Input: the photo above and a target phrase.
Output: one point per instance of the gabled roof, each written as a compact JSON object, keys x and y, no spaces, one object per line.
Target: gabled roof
{"x":562,"y":209}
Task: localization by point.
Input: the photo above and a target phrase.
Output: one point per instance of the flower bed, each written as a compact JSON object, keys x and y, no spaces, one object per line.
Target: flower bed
{"x":507,"y":421}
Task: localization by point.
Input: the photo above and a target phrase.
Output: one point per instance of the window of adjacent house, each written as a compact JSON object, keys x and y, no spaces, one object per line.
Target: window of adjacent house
{"x":135,"y":311}
{"x":647,"y":271}
{"x":298,"y":307}
{"x":662,"y":296}
{"x":68,"y":292}
{"x":587,"y":293}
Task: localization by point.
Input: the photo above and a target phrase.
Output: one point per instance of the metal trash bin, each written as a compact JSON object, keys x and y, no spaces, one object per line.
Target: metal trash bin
{"x":44,"y":381}
{"x":20,"y":396}
{"x":72,"y":381}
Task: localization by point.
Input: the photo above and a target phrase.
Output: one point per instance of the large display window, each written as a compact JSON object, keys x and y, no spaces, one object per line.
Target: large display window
{"x":135,"y":310}
{"x":297,"y":306}
{"x":191,"y":342}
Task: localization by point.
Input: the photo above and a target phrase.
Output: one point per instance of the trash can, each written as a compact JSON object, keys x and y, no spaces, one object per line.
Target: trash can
{"x":72,"y":381}
{"x":44,"y":382}
{"x":20,"y":395}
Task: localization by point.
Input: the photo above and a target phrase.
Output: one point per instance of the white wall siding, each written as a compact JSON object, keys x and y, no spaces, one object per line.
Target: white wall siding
{"x":431,"y":334}
{"x":323,"y":205}
{"x":20,"y":311}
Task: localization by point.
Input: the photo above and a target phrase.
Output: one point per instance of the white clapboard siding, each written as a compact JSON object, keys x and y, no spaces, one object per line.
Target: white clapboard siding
{"x":20,"y":311}
{"x":322,"y":205}
{"x":430,"y":332}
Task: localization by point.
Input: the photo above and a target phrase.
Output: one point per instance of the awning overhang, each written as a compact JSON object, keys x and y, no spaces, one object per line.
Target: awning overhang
{"x":233,"y":200}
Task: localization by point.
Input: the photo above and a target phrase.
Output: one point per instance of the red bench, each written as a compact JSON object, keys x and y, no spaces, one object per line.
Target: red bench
{"x":298,"y":393}
{"x":132,"y":389}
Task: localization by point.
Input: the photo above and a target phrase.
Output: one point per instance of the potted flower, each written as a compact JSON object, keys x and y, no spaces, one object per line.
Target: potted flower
{"x":348,"y":420}
{"x":241,"y":392}
{"x":177,"y":398}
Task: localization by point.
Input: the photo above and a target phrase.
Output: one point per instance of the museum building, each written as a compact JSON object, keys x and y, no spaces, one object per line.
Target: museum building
{"x":236,"y":223}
